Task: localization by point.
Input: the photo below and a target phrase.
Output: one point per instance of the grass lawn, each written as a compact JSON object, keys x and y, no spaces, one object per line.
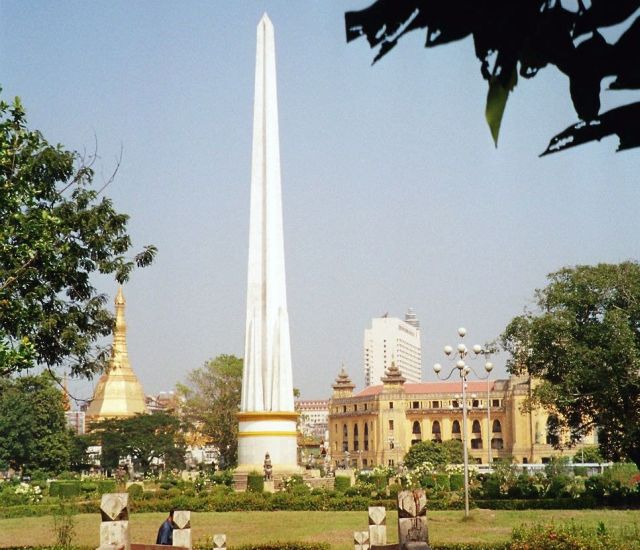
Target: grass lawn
{"x":335,"y":528}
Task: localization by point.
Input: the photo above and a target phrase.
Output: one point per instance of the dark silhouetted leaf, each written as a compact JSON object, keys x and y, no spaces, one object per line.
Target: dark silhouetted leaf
{"x":623,"y":121}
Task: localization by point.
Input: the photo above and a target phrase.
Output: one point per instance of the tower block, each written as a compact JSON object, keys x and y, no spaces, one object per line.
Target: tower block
{"x":267,"y":418}
{"x":118,"y":393}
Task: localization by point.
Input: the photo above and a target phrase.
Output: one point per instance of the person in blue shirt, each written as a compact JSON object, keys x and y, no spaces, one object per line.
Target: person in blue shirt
{"x":165,"y":533}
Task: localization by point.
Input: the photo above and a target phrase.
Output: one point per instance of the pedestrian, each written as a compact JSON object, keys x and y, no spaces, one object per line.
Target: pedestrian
{"x":165,"y":533}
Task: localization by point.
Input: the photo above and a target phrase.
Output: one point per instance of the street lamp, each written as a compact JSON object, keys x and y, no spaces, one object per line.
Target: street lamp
{"x":459,"y":355}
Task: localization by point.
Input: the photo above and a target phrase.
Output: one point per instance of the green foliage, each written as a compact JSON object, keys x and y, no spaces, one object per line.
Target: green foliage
{"x":255,"y":482}
{"x":106,"y":486}
{"x":212,"y":401}
{"x":65,"y":489}
{"x":342,"y":483}
{"x":456,"y":481}
{"x":573,"y":536}
{"x":143,"y":437}
{"x":588,"y":455}
{"x":584,"y":345}
{"x":56,"y":233}
{"x":64,"y":525}
{"x":33,"y":429}
{"x":524,"y":37}
{"x":135,"y":491}
{"x":439,"y":454}
{"x":272,"y":546}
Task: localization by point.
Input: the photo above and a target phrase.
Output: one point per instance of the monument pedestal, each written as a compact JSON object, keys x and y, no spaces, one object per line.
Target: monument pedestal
{"x":272,"y":432}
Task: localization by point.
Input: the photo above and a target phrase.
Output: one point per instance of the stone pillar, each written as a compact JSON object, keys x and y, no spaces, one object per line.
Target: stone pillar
{"x":219,"y":542}
{"x":412,"y":520}
{"x":361,"y":540}
{"x":377,"y":525}
{"x":114,"y":529}
{"x":182,"y":530}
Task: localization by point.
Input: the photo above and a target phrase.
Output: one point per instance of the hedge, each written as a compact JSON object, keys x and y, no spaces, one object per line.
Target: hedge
{"x":64,"y":489}
{"x":342,"y":483}
{"x":255,"y":483}
{"x":456,"y":481}
{"x":536,"y":503}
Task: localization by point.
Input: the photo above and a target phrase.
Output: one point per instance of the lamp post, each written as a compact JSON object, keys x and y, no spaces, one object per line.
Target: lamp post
{"x":461,"y":352}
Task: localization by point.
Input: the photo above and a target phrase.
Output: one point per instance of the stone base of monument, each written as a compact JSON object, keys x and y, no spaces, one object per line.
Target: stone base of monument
{"x":270,"y":486}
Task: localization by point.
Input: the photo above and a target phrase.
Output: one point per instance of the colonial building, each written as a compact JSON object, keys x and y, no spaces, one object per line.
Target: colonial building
{"x":393,"y":340}
{"x":378,"y":425}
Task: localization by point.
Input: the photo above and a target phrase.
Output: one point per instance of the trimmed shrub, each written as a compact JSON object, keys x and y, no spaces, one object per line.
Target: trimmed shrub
{"x":255,"y":483}
{"x":442,"y":482}
{"x":342,"y":483}
{"x":64,"y":489}
{"x":279,"y":546}
{"x":106,"y":486}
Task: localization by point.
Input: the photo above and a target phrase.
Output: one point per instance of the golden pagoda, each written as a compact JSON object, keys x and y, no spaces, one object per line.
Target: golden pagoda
{"x":119,"y":393}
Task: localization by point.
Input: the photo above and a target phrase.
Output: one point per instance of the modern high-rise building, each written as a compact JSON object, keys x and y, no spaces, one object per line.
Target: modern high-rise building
{"x":393,"y":340}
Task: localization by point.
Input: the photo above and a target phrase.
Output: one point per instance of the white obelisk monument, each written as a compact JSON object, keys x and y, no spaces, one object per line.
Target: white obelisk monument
{"x":267,"y":421}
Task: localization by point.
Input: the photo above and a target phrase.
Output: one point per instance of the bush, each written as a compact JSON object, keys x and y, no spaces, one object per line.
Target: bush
{"x":572,"y":536}
{"x":277,"y":546}
{"x":255,"y":482}
{"x":106,"y":486}
{"x":88,"y":488}
{"x":64,"y":489}
{"x":456,"y":482}
{"x":135,"y":491}
{"x":342,"y":483}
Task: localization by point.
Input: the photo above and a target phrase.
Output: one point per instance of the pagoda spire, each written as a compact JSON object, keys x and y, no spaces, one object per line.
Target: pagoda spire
{"x":118,"y":392}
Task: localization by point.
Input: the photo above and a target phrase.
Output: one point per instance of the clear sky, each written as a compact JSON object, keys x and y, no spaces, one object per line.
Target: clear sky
{"x":393,"y":193}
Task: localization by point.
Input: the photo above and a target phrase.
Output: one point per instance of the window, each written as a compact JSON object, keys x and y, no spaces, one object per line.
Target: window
{"x":436,"y":434}
{"x":366,"y":436}
{"x":476,"y":443}
{"x":417,"y":433}
{"x":345,"y":438}
{"x":364,"y":462}
{"x":391,"y":425}
{"x":495,"y":403}
{"x":435,"y":404}
{"x":415,"y":405}
{"x":497,"y":428}
{"x":344,"y":408}
{"x":525,"y":460}
{"x":552,"y":430}
{"x":391,"y":404}
{"x":356,"y":444}
{"x":455,"y":403}
{"x":476,"y":427}
{"x":391,"y":462}
{"x":455,"y":430}
{"x":365,"y":406}
{"x":497,"y":443}
{"x":355,"y":408}
{"x":475,"y":403}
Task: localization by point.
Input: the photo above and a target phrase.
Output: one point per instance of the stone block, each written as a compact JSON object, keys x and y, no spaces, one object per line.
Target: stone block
{"x":269,"y":486}
{"x":182,"y":519}
{"x":114,"y":534}
{"x":219,"y":542}
{"x":114,"y":507}
{"x":377,"y":526}
{"x":412,"y":520}
{"x":361,"y":540}
{"x":182,"y":537}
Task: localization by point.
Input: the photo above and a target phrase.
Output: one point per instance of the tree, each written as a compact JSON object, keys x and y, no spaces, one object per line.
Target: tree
{"x":33,"y":428}
{"x":56,"y":232}
{"x":212,"y":401}
{"x":144,"y":437}
{"x":583,"y":344}
{"x":522,"y":37}
{"x":435,"y":452}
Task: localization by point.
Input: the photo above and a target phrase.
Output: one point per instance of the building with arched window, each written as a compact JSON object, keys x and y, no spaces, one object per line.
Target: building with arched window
{"x":379,"y":424}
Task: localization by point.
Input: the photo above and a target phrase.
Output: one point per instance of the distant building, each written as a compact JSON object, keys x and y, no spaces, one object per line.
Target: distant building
{"x":393,"y":340}
{"x":378,"y":425}
{"x":75,"y":421}
{"x":314,"y":417}
{"x":165,"y":401}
